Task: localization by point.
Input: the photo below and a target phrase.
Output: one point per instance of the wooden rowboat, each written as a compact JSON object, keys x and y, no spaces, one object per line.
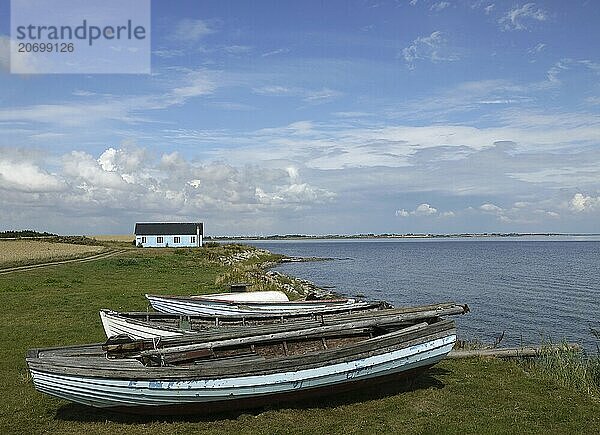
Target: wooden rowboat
{"x":213,"y":305}
{"x":233,"y":371}
{"x":140,"y":325}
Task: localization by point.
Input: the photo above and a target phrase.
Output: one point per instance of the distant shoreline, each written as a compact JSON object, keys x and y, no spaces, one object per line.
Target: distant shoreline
{"x":396,"y":236}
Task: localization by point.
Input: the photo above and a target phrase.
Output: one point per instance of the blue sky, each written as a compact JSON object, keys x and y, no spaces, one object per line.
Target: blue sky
{"x":318,"y":117}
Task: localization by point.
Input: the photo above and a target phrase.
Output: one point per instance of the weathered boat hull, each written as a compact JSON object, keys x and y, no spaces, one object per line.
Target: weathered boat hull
{"x":138,"y":325}
{"x":214,"y":307}
{"x":84,"y":374}
{"x":114,"y":325}
{"x":211,"y":395}
{"x":267,"y":400}
{"x":269,"y":296}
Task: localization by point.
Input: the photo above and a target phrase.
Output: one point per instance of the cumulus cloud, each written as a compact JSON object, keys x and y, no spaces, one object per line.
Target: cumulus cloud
{"x":519,"y":17}
{"x":122,"y":182}
{"x":423,"y":209}
{"x":27,"y":177}
{"x":539,"y":212}
{"x":584,"y":203}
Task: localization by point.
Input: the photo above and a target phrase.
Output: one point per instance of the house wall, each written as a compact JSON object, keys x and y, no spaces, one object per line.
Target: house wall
{"x":185,"y":241}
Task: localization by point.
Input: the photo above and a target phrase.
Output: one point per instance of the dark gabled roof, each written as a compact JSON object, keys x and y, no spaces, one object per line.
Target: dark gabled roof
{"x":166,"y":229}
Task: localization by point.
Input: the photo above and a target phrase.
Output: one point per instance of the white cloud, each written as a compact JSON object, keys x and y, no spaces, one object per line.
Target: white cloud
{"x":296,"y":193}
{"x":433,"y":48}
{"x":129,"y":160}
{"x":191,"y":30}
{"x":566,"y":64}
{"x":525,"y":212}
{"x":186,"y":84}
{"x":89,"y":173}
{"x":518,"y":17}
{"x":237,"y":49}
{"x":195,"y":83}
{"x":276,"y":52}
{"x":423,"y":209}
{"x":276,"y":90}
{"x":120,"y":183}
{"x":489,"y":8}
{"x":316,"y":96}
{"x":584,"y":203}
{"x":322,"y":95}
{"x":27,"y":177}
{"x":490,"y":208}
{"x":331,"y":146}
{"x":537,"y":48}
{"x":439,"y":6}
{"x":595,"y":100}
{"x":68,"y":114}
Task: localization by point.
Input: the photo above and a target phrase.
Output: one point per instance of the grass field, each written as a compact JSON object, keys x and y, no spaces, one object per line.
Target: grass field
{"x":59,"y":306}
{"x":20,"y":252}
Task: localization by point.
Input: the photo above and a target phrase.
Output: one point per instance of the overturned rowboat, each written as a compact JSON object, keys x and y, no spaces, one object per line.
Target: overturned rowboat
{"x":141,"y":325}
{"x":180,"y":375}
{"x":241,"y":304}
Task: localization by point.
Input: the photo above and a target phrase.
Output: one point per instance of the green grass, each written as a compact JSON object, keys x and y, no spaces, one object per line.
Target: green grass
{"x":567,"y":367}
{"x":59,"y":306}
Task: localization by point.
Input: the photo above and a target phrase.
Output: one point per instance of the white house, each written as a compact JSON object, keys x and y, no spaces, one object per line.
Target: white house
{"x":169,"y":234}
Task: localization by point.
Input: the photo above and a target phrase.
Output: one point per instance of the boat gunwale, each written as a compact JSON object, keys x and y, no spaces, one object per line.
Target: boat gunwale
{"x":292,"y":324}
{"x":350,"y":352}
{"x":199,"y":299}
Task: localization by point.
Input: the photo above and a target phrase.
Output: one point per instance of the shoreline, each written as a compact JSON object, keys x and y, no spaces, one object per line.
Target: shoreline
{"x":253,"y":266}
{"x":387,"y":236}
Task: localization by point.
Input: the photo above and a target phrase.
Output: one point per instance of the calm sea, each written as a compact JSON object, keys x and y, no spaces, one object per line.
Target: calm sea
{"x":530,"y":289}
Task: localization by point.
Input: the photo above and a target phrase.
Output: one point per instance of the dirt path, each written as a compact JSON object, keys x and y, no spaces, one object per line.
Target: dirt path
{"x":101,"y":255}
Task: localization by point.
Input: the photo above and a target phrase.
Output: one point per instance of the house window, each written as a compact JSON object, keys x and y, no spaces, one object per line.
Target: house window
{"x":143,"y":239}
{"x":193,"y":239}
{"x":176,"y":239}
{"x":159,"y":239}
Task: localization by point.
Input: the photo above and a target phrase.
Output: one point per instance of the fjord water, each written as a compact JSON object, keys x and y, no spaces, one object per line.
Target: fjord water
{"x":532,"y":290}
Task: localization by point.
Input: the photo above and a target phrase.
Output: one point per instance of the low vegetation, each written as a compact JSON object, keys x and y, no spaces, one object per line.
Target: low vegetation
{"x":24,"y":234}
{"x":27,"y":251}
{"x":59,"y":306}
{"x":569,"y":368}
{"x":113,"y":237}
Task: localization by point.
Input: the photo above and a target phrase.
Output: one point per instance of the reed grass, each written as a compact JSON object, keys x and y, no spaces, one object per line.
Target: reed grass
{"x":567,"y":367}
